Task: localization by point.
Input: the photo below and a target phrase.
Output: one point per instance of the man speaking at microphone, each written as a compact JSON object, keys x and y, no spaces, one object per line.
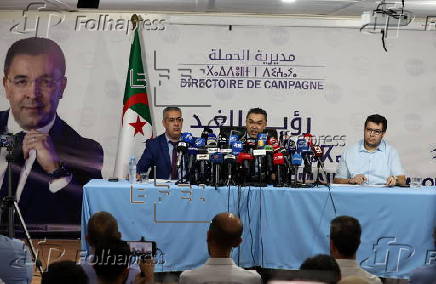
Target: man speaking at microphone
{"x":162,"y":150}
{"x":54,"y":161}
{"x":372,"y":161}
{"x":255,"y":123}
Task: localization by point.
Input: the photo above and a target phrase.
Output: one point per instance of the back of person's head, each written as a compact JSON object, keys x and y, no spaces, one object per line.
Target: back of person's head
{"x":377,"y":119}
{"x":102,"y":228}
{"x":225,"y":230}
{"x":111,"y":261}
{"x":345,"y":234}
{"x":323,"y":262}
{"x":35,"y":46}
{"x":65,"y":272}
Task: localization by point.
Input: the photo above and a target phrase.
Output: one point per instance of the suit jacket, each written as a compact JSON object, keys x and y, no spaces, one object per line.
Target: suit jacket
{"x":156,"y":154}
{"x":82,"y":157}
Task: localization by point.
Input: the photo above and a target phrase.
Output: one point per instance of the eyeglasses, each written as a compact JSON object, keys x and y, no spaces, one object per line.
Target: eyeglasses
{"x":375,"y":131}
{"x":174,"y":119}
{"x":45,"y":83}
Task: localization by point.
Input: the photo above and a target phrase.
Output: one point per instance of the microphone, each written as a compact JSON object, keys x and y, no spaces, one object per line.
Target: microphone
{"x":318,"y":153}
{"x":237,"y":147}
{"x":232,"y":139}
{"x":244,"y":159}
{"x":206,"y":132}
{"x":187,"y":137}
{"x":269,"y":159}
{"x":292,"y":146}
{"x":261,"y":140}
{"x":202,"y":159}
{"x":200,"y":143}
{"x":229,"y":160}
{"x":181,"y":148}
{"x":273,"y":142}
{"x":211,"y":141}
{"x":301,"y":145}
{"x":250,"y":145}
{"x":223,"y":141}
{"x":216,"y":159}
{"x":296,"y":159}
{"x":279,"y":161}
{"x":192,"y":153}
{"x":309,"y":139}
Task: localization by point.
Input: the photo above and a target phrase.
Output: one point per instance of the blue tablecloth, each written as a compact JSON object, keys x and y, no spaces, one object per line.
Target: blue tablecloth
{"x":282,"y":226}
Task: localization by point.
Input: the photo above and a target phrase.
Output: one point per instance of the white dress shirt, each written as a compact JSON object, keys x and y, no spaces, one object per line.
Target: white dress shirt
{"x":349,"y":267}
{"x":222,"y":271}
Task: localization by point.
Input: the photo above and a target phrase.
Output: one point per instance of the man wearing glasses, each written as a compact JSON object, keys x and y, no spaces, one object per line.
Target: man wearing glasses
{"x":371,"y":161}
{"x":53,"y":160}
{"x":161,"y":151}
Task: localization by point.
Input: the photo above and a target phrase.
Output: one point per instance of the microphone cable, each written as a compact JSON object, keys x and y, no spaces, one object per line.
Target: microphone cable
{"x":249,"y":224}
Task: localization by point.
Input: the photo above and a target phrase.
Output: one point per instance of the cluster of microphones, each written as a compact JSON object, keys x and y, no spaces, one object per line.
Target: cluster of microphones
{"x":235,"y":160}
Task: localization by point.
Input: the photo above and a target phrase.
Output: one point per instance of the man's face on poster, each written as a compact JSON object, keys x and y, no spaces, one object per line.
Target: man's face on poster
{"x":34,"y":85}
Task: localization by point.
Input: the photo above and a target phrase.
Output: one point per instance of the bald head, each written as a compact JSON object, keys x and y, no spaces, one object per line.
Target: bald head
{"x":102,"y":228}
{"x":225,"y":230}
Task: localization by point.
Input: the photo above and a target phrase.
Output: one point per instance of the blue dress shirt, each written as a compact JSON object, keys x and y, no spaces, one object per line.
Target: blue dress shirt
{"x":377,"y":165}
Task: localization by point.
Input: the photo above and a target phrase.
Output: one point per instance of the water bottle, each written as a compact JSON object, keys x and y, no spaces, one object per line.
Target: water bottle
{"x":132,"y":170}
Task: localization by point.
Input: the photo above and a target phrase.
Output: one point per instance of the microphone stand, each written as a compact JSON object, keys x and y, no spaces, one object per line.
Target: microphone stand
{"x":183,"y":179}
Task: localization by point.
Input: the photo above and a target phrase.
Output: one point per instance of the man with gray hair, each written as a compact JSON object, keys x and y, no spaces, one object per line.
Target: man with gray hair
{"x":161,"y":151}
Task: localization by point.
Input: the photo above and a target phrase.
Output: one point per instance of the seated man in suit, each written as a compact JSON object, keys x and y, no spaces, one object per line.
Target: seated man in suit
{"x":161,"y":151}
{"x":224,"y":234}
{"x":53,"y":161}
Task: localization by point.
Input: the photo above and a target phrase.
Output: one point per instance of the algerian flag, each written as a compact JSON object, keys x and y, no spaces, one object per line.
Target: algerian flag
{"x":136,"y":124}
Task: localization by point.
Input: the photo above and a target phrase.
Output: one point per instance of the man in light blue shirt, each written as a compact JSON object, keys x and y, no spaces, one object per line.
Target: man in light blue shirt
{"x":372,"y":161}
{"x":15,"y":261}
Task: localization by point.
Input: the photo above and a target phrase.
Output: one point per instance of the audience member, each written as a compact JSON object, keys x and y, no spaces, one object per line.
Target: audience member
{"x":345,"y":234}
{"x":102,"y":229}
{"x":224,"y":234}
{"x":321,"y":263}
{"x":111,"y":264}
{"x":425,"y":274}
{"x":15,"y":252}
{"x":65,"y":272}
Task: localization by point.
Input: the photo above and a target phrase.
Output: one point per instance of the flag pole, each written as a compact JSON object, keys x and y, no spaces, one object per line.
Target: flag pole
{"x":136,"y":119}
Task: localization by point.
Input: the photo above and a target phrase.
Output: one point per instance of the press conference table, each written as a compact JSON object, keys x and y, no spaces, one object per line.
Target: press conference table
{"x":282,"y":226}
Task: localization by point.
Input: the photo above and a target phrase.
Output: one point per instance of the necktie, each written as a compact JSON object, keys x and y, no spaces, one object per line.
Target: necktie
{"x":174,"y":161}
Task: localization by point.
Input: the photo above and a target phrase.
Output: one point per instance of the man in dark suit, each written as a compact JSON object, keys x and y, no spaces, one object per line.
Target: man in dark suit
{"x":54,"y":161}
{"x":161,"y":151}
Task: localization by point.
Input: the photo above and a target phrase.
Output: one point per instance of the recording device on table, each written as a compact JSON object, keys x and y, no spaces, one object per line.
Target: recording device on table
{"x":232,"y":158}
{"x":143,"y":249}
